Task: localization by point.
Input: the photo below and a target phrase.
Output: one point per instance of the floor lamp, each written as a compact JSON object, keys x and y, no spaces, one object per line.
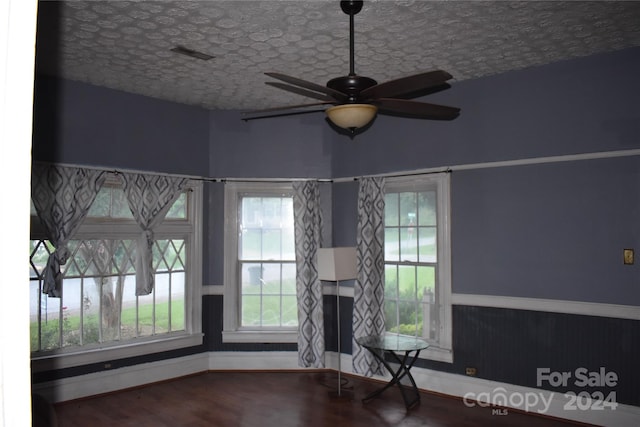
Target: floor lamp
{"x":334,"y":265}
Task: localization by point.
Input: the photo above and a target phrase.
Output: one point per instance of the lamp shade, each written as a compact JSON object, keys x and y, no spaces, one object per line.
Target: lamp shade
{"x":337,"y":263}
{"x":351,"y":116}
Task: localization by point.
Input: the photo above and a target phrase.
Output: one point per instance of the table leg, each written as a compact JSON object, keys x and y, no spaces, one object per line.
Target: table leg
{"x":396,"y":376}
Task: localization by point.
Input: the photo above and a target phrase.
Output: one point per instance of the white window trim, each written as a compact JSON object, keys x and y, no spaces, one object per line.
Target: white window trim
{"x":443,"y":352}
{"x":232,"y":331}
{"x":192,"y":336}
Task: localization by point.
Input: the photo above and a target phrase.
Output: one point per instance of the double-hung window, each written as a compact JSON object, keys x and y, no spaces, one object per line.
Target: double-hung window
{"x":417,"y":261}
{"x":260,"y":269}
{"x":99,"y":317}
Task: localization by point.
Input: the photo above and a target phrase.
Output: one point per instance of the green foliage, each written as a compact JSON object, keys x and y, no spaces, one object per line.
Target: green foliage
{"x":406,"y":329}
{"x":71,"y":325}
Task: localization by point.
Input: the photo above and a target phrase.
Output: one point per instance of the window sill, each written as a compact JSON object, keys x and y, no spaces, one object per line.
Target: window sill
{"x":79,"y":357}
{"x":437,"y":354}
{"x":260,"y":336}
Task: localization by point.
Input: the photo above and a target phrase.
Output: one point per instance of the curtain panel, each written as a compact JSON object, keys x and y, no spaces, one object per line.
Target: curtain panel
{"x":308,"y":229}
{"x":149,"y":197}
{"x":368,"y":292}
{"x":62,"y":197}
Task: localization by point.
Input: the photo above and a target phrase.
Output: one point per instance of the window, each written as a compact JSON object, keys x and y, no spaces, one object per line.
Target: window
{"x":98,"y":309}
{"x":260,"y":270}
{"x":417,"y":261}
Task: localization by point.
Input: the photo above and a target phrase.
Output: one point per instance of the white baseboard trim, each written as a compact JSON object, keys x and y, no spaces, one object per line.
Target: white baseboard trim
{"x":549,"y":305}
{"x":258,"y":361}
{"x":472,"y":391}
{"x":476,"y":391}
{"x":119,"y":379}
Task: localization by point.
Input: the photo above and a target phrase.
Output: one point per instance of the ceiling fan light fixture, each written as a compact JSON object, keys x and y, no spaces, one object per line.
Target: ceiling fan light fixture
{"x":351,"y":116}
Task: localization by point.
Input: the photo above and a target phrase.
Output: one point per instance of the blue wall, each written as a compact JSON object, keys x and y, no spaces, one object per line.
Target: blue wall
{"x":82,"y":124}
{"x":551,"y":230}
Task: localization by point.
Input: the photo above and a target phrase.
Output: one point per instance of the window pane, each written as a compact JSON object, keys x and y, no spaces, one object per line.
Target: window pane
{"x":429,"y":316}
{"x":251,"y":211}
{"x":51,"y":332}
{"x":39,"y":255}
{"x":390,"y":282}
{"x":123,"y":261}
{"x":408,"y":317}
{"x":120,"y":205}
{"x":271,"y":279}
{"x":391,"y":210}
{"x":426,"y":279}
{"x":288,"y":244}
{"x":91,"y":309}
{"x":251,"y":310}
{"x":177,"y":301}
{"x":161,"y":289}
{"x":110,"y":202}
{"x":289,"y":310}
{"x":391,"y":244}
{"x":408,"y":208}
{"x":71,"y":303}
{"x":428,"y":244}
{"x":427,"y":213}
{"x":179,"y":208}
{"x":408,"y":244}
{"x":251,"y":244}
{"x":289,"y":279}
{"x":391,"y":315}
{"x":271,"y":244}
{"x":34,"y":293}
{"x":129,"y":318}
{"x":50,"y":322}
{"x":271,"y":310}
{"x":251,"y":278}
{"x":101,"y":206}
{"x":407,"y":282}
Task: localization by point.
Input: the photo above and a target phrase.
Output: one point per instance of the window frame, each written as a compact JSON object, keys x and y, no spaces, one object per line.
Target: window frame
{"x":191,"y":336}
{"x":232,"y":331}
{"x":442,"y":350}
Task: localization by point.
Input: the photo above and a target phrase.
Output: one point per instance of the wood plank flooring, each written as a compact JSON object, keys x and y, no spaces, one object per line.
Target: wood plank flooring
{"x":277,"y":399}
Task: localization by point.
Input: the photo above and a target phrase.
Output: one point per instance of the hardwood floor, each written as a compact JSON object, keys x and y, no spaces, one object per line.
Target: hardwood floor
{"x":278,"y":399}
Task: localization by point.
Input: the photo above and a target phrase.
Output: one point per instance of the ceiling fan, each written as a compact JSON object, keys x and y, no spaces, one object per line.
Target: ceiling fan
{"x":355,"y":100}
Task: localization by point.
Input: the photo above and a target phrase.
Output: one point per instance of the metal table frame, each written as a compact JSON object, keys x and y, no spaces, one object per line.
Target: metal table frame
{"x":391,"y":344}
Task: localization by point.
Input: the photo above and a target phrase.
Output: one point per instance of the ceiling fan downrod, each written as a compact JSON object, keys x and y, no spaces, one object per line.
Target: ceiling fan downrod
{"x":352,"y":84}
{"x":351,"y":8}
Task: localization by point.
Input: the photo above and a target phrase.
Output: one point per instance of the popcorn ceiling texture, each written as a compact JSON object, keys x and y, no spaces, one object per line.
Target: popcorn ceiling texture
{"x":125,"y":45}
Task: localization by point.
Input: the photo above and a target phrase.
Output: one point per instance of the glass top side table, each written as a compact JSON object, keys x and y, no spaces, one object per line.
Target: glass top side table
{"x":393,"y":345}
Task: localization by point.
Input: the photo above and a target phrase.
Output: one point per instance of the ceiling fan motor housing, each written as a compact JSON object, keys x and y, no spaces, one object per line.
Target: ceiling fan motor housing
{"x":351,"y":85}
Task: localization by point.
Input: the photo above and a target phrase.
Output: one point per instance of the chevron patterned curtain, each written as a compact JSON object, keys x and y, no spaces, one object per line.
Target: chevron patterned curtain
{"x":368,"y":292}
{"x":308,"y":229}
{"x":150,"y":197}
{"x":62,"y":197}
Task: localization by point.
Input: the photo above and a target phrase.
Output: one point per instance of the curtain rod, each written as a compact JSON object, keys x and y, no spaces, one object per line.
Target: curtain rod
{"x":447,"y":169}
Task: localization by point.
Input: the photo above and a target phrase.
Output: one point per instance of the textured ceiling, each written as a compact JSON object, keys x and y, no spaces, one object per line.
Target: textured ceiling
{"x":126,"y":45}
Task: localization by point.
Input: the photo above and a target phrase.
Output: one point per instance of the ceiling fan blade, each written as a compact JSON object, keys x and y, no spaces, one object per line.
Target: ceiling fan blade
{"x":301,"y":91}
{"x":419,"y":110}
{"x":425,"y":91}
{"x":406,"y":85}
{"x":309,"y":85}
{"x":289,"y":110}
